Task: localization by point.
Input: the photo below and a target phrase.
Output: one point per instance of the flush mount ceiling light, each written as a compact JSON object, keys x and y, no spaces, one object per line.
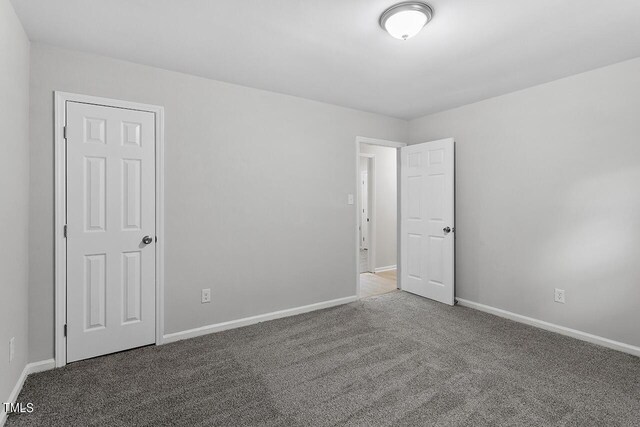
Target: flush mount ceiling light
{"x":405,"y":20}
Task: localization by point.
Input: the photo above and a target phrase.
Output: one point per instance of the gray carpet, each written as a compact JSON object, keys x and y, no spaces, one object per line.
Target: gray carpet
{"x":395,"y":359}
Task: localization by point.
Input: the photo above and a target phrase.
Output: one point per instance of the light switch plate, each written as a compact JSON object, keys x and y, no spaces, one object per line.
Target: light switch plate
{"x":350,"y":199}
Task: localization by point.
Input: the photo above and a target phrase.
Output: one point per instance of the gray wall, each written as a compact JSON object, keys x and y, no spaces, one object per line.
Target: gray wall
{"x":548,"y":196}
{"x":247,"y":214}
{"x":386,"y":203}
{"x":14,"y":206}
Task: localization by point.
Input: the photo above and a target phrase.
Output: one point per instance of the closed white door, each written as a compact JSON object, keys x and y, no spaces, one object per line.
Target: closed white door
{"x":364,"y":217}
{"x":110,"y":211}
{"x":427,"y":220}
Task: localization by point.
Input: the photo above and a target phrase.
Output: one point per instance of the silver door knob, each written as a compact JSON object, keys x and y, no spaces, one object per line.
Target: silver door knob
{"x":147,"y":239}
{"x":447,"y":230}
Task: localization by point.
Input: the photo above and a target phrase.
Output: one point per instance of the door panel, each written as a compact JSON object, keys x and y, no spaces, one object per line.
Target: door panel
{"x":131,"y":286}
{"x":95,"y":201}
{"x":110,"y":208}
{"x":94,"y":286}
{"x":427,"y":208}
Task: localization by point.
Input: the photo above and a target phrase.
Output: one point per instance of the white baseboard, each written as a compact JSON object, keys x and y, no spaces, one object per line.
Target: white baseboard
{"x":31,"y":368}
{"x":584,"y":336}
{"x":387,"y":268}
{"x":232,"y":324}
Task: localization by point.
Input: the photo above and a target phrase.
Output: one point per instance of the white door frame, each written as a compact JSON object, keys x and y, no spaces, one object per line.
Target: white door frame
{"x":60,"y":215}
{"x":384,"y":143}
{"x":371,"y":176}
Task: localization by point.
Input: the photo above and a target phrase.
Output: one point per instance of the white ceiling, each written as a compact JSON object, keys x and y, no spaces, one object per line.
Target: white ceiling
{"x":334,"y":50}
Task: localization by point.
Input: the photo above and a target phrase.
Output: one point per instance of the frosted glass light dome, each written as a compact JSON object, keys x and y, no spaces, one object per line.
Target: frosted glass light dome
{"x":405,"y":20}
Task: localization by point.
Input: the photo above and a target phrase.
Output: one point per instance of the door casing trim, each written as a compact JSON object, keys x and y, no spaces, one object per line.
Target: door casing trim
{"x":60,"y":213}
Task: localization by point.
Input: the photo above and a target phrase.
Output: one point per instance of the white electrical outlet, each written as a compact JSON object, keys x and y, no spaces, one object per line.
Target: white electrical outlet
{"x":559,"y":296}
{"x":206,"y":295}
{"x":350,"y":199}
{"x":12,"y":349}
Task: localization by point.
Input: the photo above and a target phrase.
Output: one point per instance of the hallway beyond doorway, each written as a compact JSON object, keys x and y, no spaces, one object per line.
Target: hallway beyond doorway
{"x":377,"y":284}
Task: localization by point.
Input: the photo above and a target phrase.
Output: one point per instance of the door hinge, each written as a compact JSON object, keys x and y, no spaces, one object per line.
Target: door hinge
{"x":65,"y":330}
{"x":64,"y":132}
{"x":65,"y":231}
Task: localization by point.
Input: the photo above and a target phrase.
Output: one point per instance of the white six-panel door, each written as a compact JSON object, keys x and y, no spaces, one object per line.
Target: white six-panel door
{"x":427,"y":220}
{"x":110,"y":209}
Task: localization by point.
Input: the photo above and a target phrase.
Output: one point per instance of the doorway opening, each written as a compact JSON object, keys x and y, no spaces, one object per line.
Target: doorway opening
{"x":420,"y":258}
{"x":377,"y":216}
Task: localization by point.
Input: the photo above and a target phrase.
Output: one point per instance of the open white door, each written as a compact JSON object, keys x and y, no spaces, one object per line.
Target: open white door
{"x":427,"y":215}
